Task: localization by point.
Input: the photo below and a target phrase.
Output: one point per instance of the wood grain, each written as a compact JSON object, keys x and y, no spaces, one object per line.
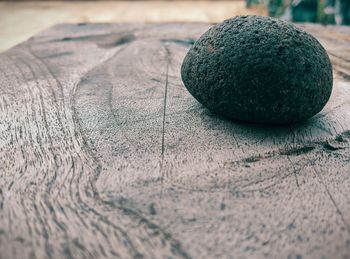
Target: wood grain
{"x":104,"y":154}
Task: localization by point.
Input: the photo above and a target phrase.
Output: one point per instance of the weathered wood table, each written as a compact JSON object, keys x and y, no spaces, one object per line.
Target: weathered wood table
{"x":103,"y":153}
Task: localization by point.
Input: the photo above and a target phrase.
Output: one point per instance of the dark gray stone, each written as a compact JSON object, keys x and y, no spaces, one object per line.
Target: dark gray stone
{"x":259,"y":69}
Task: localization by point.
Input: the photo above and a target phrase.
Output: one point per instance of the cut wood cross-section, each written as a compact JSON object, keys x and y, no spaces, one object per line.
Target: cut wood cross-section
{"x":104,"y":154}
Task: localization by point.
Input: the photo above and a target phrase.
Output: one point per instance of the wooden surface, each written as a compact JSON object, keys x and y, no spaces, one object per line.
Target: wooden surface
{"x":104,"y":154}
{"x":21,"y":20}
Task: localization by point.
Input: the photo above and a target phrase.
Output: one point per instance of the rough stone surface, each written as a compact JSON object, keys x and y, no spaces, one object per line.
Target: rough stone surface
{"x":259,"y":69}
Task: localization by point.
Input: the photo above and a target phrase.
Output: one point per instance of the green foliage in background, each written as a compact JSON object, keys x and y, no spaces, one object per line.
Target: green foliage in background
{"x":320,"y":11}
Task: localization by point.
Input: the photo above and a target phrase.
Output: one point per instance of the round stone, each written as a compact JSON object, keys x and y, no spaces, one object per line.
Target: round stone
{"x":259,"y":69}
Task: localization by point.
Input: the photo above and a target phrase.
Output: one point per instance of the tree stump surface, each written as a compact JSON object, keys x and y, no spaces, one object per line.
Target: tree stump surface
{"x":104,"y":154}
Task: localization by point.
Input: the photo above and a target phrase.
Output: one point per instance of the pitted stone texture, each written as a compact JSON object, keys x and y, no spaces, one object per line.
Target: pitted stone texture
{"x":259,"y":69}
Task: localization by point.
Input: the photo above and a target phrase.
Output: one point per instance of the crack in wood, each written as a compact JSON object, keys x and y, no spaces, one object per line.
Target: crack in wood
{"x":165,"y":99}
{"x":294,"y":172}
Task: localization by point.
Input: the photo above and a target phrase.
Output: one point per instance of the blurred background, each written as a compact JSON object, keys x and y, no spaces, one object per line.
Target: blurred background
{"x":19,"y":20}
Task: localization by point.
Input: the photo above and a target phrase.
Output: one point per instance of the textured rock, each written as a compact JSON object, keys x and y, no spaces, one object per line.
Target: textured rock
{"x":259,"y":69}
